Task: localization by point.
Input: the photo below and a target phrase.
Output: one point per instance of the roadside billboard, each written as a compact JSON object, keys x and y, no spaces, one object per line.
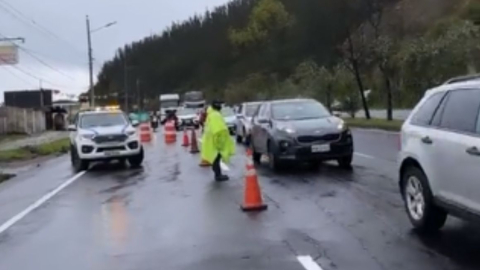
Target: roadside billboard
{"x":8,"y":54}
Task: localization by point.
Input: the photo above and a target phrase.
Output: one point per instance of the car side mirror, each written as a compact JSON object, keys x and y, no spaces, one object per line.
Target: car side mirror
{"x":72,"y":128}
{"x":263,"y":120}
{"x":135,"y":123}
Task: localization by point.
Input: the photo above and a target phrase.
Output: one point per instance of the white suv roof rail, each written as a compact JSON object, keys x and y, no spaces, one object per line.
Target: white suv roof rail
{"x":463,"y":78}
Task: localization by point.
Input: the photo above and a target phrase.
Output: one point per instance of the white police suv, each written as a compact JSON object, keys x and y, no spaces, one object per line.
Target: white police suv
{"x":104,"y":135}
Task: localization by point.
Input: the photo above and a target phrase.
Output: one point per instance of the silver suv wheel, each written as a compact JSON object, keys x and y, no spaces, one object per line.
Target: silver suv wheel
{"x":419,"y":202}
{"x":414,"y":197}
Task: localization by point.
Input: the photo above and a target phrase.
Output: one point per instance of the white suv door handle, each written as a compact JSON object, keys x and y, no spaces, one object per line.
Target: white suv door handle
{"x":473,"y":151}
{"x":427,"y":140}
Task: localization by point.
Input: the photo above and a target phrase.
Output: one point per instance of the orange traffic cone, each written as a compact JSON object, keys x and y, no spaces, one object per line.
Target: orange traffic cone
{"x":253,"y":196}
{"x":186,"y":142}
{"x":145,"y":133}
{"x":170,"y":134}
{"x":194,"y":148}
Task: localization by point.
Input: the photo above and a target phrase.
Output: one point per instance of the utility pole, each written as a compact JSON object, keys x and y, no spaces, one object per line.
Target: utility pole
{"x":90,"y":64}
{"x":138,"y":94}
{"x":41,"y":95}
{"x":125,"y":80}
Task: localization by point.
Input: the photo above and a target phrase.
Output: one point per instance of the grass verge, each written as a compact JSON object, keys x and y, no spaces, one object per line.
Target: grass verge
{"x":11,"y":137}
{"x":4,"y":177}
{"x":394,"y":125}
{"x":29,"y":152}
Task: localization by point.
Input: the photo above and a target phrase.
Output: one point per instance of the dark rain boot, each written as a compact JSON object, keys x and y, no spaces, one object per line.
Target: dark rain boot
{"x":221,"y":178}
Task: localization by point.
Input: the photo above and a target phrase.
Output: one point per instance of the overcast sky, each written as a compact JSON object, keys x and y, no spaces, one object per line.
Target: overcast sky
{"x":55,"y":33}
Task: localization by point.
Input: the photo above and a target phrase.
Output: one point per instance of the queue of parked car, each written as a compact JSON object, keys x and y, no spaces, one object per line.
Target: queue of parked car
{"x":438,"y":161}
{"x":293,"y":130}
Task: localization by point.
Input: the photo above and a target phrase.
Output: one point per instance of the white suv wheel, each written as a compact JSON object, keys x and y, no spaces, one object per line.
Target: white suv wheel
{"x":414,"y":197}
{"x":419,"y":203}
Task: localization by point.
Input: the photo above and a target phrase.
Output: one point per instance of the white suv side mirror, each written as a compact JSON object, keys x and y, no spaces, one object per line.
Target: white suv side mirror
{"x":72,"y":128}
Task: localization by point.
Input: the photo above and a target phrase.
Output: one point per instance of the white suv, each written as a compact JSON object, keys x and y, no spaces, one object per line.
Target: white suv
{"x":104,"y":135}
{"x":244,"y":121}
{"x":439,"y":160}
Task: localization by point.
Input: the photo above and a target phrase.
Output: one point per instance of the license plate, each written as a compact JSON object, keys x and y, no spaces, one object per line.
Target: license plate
{"x":112,"y":153}
{"x":320,"y":148}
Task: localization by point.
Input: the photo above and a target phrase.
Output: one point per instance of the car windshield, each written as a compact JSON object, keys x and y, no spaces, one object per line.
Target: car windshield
{"x":185,"y":111}
{"x":195,"y":105}
{"x":299,"y":110}
{"x":250,"y":109}
{"x":102,"y":120}
{"x":168,"y":104}
{"x":227,"y":111}
{"x":194,"y":96}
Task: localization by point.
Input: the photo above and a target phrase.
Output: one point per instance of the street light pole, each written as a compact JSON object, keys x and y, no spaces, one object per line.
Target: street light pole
{"x":138,"y":95}
{"x":90,"y":57}
{"x":90,"y":64}
{"x":125,"y":80}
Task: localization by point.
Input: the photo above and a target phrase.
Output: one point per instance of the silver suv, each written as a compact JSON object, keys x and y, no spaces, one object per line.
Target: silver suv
{"x":439,"y":160}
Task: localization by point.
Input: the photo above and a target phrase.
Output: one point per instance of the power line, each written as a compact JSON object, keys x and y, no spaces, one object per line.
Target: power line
{"x":39,"y":59}
{"x":45,"y":55}
{"x":33,"y":76}
{"x":16,"y":13}
{"x":18,"y":77}
{"x":45,"y":63}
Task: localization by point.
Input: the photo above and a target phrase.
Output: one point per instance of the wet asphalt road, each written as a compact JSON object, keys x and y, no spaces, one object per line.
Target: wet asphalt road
{"x":171,"y":215}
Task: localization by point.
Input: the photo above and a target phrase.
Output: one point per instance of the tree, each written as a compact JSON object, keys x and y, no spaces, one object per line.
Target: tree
{"x":343,"y":85}
{"x":221,"y":48}
{"x":450,"y":49}
{"x":382,"y":50}
{"x":267,"y":18}
{"x":306,"y":76}
{"x":354,"y":51}
{"x":326,"y":79}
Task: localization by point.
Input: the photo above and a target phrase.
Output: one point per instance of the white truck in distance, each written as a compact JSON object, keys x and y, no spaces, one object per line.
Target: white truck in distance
{"x":168,"y":102}
{"x":194,"y":100}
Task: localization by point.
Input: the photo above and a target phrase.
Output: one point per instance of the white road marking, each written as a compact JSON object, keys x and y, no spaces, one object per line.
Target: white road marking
{"x":365,"y":156}
{"x":308,"y":263}
{"x":224,"y":166}
{"x":9,"y":223}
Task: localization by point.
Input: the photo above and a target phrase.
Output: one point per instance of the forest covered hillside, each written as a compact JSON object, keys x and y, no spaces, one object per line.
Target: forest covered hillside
{"x":328,"y":49}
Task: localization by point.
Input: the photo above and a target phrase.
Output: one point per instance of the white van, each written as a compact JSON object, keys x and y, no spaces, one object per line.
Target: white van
{"x":168,"y":102}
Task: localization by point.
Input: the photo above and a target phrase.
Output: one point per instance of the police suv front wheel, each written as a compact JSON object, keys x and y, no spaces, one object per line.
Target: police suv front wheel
{"x":77,"y":163}
{"x":136,"y":161}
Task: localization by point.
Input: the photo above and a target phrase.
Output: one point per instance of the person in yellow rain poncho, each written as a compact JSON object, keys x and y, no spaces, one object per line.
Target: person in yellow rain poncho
{"x":217,"y":144}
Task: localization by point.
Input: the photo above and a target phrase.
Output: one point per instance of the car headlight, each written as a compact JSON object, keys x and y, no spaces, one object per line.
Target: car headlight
{"x":341,"y":125}
{"x":287,"y":130}
{"x":131,"y":132}
{"x":87,"y":136}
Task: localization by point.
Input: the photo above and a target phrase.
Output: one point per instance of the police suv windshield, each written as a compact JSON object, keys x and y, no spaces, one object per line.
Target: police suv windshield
{"x":102,"y":120}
